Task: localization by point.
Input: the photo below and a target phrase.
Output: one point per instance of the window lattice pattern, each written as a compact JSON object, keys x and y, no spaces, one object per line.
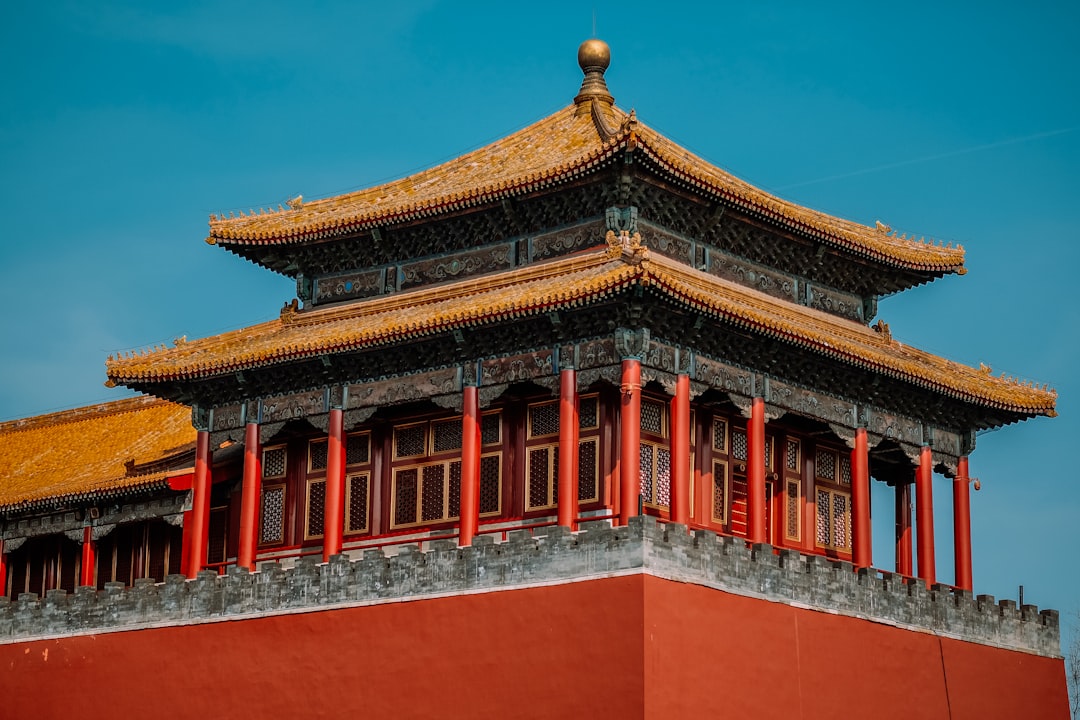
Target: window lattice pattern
{"x":317,"y":454}
{"x":719,"y":492}
{"x":491,"y":429}
{"x":792,"y":509}
{"x":719,"y":441}
{"x":825,"y":462}
{"x":840,"y":522}
{"x":845,"y":469}
{"x":539,"y":476}
{"x":405,"y":496}
{"x":453,"y":502}
{"x":357,"y":449}
{"x":409,"y":441}
{"x":588,"y":413}
{"x":543,"y":419}
{"x":792,"y":454}
{"x":645,"y":467}
{"x":316,"y":508}
{"x":738,"y":445}
{"x":273,"y":462}
{"x":446,"y":436}
{"x":356,"y":515}
{"x":490,"y":484}
{"x":663,"y":476}
{"x":432,"y":497}
{"x":823,"y":514}
{"x":587,"y":470}
{"x":652,"y":417}
{"x":272,"y":527}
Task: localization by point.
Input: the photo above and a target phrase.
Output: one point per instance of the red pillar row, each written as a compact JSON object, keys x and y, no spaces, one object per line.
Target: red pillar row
{"x":861,"y":533}
{"x":924,"y":515}
{"x":334,"y":507}
{"x":680,"y":451}
{"x":962,"y":525}
{"x":200,"y":505}
{"x":755,"y":472}
{"x":630,"y":440}
{"x":903,"y":529}
{"x":470,"y":466}
{"x":86,"y":572}
{"x":249,"y":498}
{"x":3,"y":569}
{"x":568,"y":448}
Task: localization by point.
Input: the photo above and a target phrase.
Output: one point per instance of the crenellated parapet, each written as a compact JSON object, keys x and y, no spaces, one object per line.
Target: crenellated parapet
{"x":598,"y":551}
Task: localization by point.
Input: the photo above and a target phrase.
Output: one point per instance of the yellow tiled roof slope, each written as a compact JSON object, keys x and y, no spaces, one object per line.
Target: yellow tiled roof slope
{"x":565,"y":283}
{"x":569,"y":143}
{"x":82,"y":453}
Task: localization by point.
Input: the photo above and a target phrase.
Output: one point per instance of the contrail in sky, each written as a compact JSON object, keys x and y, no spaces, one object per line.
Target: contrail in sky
{"x":928,"y":158}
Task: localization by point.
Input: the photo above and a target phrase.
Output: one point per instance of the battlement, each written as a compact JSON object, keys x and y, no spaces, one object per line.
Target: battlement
{"x":556,"y":556}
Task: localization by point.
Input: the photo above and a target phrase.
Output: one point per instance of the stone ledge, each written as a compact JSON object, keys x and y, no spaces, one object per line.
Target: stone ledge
{"x":667,"y":551}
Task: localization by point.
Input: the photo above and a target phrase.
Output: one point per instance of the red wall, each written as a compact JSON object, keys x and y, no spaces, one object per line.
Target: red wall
{"x":628,"y":647}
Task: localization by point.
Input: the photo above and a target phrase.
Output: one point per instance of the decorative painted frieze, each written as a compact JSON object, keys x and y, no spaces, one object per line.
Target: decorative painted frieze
{"x":566,"y":240}
{"x":596,"y":353}
{"x":349,"y":286}
{"x":405,"y":388}
{"x":517,"y":367}
{"x":835,"y":302}
{"x":811,"y":403}
{"x":229,"y":417}
{"x":667,"y":243}
{"x":893,"y":427}
{"x":720,"y":376}
{"x":296,"y":405}
{"x":458,"y":265}
{"x":752,"y":275}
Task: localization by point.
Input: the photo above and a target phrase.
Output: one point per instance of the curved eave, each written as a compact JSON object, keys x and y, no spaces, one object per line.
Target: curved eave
{"x":109,"y":489}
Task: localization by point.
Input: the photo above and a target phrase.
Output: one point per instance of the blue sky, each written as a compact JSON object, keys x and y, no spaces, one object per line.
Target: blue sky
{"x":122,"y":128}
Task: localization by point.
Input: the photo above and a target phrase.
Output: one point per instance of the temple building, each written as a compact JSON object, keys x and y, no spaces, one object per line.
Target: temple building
{"x":574,"y":423}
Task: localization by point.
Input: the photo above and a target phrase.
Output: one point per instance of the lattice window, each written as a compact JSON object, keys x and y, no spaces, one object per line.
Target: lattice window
{"x":428,"y":493}
{"x":410,"y":440}
{"x":453,"y":492}
{"x":543,"y":419}
{"x":358,"y":449}
{"x":719,"y":492}
{"x":273,"y":464}
{"x":491,"y":428}
{"x":652,"y":417}
{"x":356,"y":503}
{"x":833,"y":519}
{"x":588,"y":470}
{"x":405,"y":495}
{"x":738,"y":445}
{"x":792,"y":456}
{"x":446,"y":436}
{"x":655,"y":466}
{"x":272,"y":526}
{"x":825,"y":464}
{"x":588,"y":413}
{"x":541,"y":469}
{"x":490,"y":484}
{"x":316,"y":508}
{"x":792,"y":507}
{"x":719,"y":435}
{"x":845,"y":469}
{"x":317,"y":455}
{"x":433,"y":493}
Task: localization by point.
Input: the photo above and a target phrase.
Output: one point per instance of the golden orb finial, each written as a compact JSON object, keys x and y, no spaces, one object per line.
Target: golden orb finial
{"x":594,"y":54}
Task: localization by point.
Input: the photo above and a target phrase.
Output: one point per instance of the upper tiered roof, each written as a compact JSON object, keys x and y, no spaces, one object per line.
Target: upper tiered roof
{"x":100,"y":451}
{"x":571,"y":143}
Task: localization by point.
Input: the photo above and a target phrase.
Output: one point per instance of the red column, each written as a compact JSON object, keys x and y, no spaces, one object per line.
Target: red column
{"x":962,"y":525}
{"x":903,"y":529}
{"x":630,"y":440}
{"x":3,"y":570}
{"x":680,"y":451}
{"x":862,"y":540}
{"x":250,"y":497}
{"x":86,"y":573}
{"x":470,"y":466}
{"x":200,"y":504}
{"x":334,"y":508}
{"x":755,"y":472}
{"x":568,"y":447}
{"x":924,"y":515}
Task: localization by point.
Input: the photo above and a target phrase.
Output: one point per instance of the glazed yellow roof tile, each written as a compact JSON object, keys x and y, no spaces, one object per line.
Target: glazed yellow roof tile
{"x":564,"y":283}
{"x":552,"y":150}
{"x":83,"y":453}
